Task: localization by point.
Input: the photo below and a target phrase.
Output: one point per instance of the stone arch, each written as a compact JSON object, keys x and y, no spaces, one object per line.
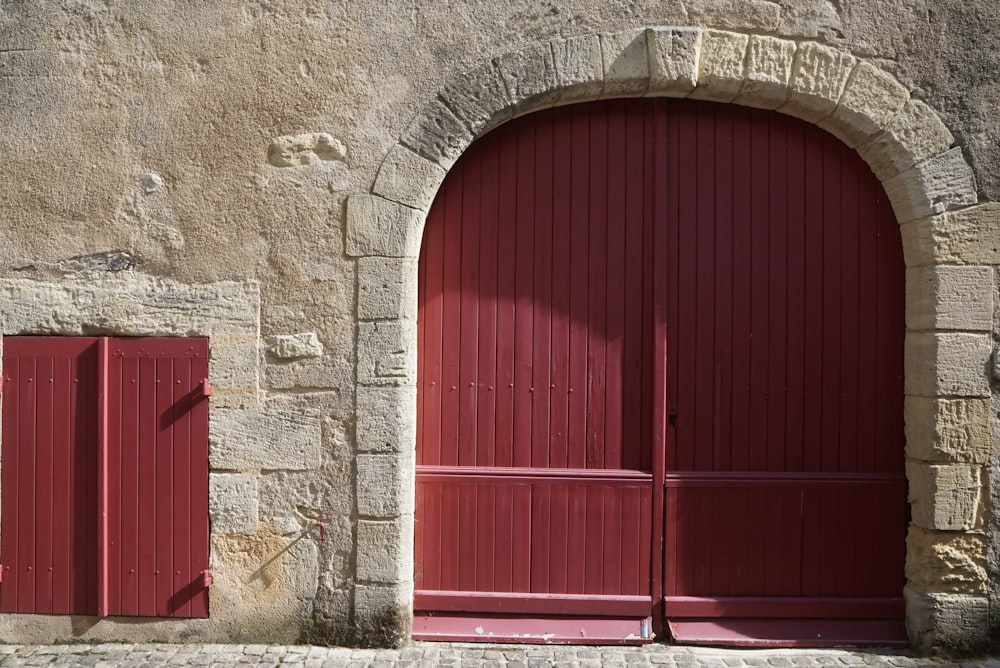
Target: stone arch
{"x":948,"y":305}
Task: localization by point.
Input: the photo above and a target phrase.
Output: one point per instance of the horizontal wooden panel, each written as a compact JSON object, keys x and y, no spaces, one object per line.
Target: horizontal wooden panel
{"x":596,"y":477}
{"x":790,"y":632}
{"x":535,"y":604}
{"x":750,"y":479}
{"x":532,"y":629}
{"x":546,"y":535}
{"x":757,"y":606}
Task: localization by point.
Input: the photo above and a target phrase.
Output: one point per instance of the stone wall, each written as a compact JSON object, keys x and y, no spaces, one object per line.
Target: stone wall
{"x":258,"y":172}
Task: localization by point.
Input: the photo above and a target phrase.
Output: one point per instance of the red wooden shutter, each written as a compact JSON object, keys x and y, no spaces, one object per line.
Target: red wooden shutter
{"x":49,"y":478}
{"x":157,"y":477}
{"x":123,"y":431}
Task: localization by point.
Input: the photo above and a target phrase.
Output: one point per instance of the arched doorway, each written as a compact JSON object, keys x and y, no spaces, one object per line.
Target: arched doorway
{"x":660,"y":376}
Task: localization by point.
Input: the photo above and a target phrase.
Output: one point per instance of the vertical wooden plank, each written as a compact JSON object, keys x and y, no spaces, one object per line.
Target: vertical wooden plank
{"x":25,"y":504}
{"x":540,"y":531}
{"x":10,"y":476}
{"x":146,"y":444}
{"x":541,"y":340}
{"x":451,"y":321}
{"x":114,"y":401}
{"x":575,"y":523}
{"x":721,"y":177}
{"x":760,"y":262}
{"x":486,"y":412}
{"x":830,"y":390}
{"x":868,"y":314}
{"x":616,"y":225}
{"x":468,"y":326}
{"x":579,"y":304}
{"x":796,"y":341}
{"x":813,"y":330}
{"x":130,"y":439}
{"x":563,"y":558}
{"x":430,"y":329}
{"x":563,"y":234}
{"x":62,"y":439}
{"x":594,"y":522}
{"x":520,"y":544}
{"x":506,"y":287}
{"x":451,"y":533}
{"x":199,"y":530}
{"x":181,"y":574}
{"x":486,"y":542}
{"x":777,"y":294}
{"x":703,"y":350}
{"x":45,"y":490}
{"x":503,"y":572}
{"x":637,"y":296}
{"x":165,"y":475}
{"x":597,"y":197}
{"x":103,"y":534}
{"x":467,"y":536}
{"x":632,"y":581}
{"x":743,"y":305}
{"x":613,"y":543}
{"x":685,"y":293}
{"x":84,"y":417}
{"x":849,"y":323}
{"x":524,"y":287}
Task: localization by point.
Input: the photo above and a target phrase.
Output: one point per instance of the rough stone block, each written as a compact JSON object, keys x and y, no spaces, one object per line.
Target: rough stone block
{"x":333,"y":371}
{"x":479,"y":98}
{"x":626,"y":63}
{"x":944,"y":497}
{"x":305,"y":149}
{"x":294,"y":346}
{"x":383,"y":614}
{"x":232,"y":503}
{"x":871,"y":98}
{"x":819,"y":74}
{"x":234,"y":369}
{"x":387,"y":352}
{"x":948,"y":562}
{"x":947,"y":430}
{"x":673,"y":60}
{"x":530,"y":76}
{"x":949,"y":297}
{"x":386,"y":419}
{"x":968,"y":236}
{"x":579,"y":67}
{"x":942,"y":183}
{"x":385,"y":484}
{"x":385,"y":550}
{"x":377,"y":226}
{"x":437,"y":134}
{"x":767,"y":72}
{"x":954,"y":623}
{"x":387,"y":288}
{"x":721,"y":65}
{"x":292,"y":502}
{"x":913,"y":135}
{"x":408,"y":178}
{"x":947,"y":364}
{"x":284,"y":435}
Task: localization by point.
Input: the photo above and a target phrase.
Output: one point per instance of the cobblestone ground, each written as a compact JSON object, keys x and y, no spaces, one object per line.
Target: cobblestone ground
{"x":456,"y":655}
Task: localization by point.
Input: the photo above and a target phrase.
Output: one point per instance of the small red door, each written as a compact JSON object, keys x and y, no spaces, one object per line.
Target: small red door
{"x":660,"y":339}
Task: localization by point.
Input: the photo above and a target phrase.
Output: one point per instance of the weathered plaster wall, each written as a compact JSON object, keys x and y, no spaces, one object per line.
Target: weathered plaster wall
{"x":217,"y":142}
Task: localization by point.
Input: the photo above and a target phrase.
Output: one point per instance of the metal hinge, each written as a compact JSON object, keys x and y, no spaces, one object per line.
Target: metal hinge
{"x":206,"y":387}
{"x":206,"y":579}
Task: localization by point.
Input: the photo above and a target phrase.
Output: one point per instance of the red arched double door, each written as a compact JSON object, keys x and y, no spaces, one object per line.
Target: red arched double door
{"x":660,"y":384}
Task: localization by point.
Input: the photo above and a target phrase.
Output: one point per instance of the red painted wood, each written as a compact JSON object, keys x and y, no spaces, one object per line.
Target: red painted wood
{"x":532,"y":603}
{"x":531,"y":629}
{"x":103,"y":445}
{"x":160,"y":475}
{"x":737,"y":632}
{"x":49,"y":490}
{"x":804,"y":607}
{"x":709,"y":295}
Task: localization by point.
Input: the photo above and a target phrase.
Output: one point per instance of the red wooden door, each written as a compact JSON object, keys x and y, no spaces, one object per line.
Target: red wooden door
{"x":786,"y":492}
{"x":535,"y":457}
{"x":592,"y":273}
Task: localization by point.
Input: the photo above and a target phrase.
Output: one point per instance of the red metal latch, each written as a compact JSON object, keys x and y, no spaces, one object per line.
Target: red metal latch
{"x":206,"y":579}
{"x":1,"y":572}
{"x":206,"y":387}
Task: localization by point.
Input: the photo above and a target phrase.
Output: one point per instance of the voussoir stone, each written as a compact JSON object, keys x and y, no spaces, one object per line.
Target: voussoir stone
{"x":913,"y":135}
{"x":673,"y":60}
{"x":479,"y":98}
{"x":967,"y":236}
{"x":530,"y":76}
{"x":720,"y":65}
{"x":819,"y":75}
{"x":408,"y":178}
{"x":767,"y":71}
{"x":940,"y":184}
{"x":579,"y":67}
{"x":625,"y":58}
{"x":870,"y":100}
{"x":437,"y":134}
